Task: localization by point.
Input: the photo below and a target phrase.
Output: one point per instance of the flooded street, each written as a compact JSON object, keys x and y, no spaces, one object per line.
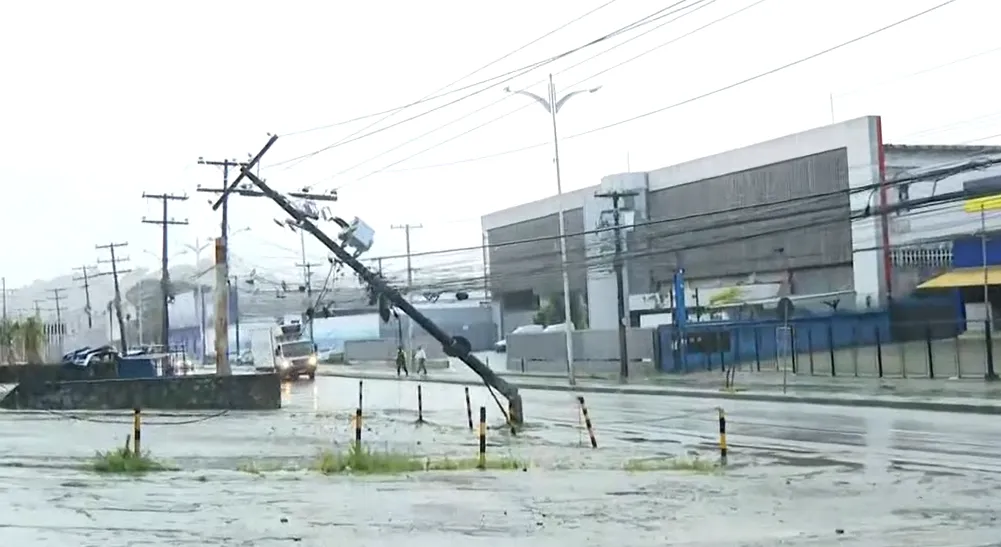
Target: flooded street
{"x":798,"y":475}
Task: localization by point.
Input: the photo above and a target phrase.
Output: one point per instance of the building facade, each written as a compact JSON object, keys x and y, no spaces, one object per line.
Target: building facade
{"x":782,"y":213}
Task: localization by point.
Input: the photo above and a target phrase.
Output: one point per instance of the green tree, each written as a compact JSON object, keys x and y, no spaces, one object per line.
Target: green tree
{"x":551,"y":312}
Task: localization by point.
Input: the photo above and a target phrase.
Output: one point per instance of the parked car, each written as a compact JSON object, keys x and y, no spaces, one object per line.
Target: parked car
{"x":501,"y":345}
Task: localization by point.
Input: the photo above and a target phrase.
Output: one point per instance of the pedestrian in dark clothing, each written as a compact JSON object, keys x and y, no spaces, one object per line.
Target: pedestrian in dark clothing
{"x":401,"y":362}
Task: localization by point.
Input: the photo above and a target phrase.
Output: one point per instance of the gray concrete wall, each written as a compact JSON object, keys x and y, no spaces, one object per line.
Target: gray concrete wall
{"x":15,"y":374}
{"x":203,"y":392}
{"x":806,"y":240}
{"x":589,"y":345}
{"x":964,"y":357}
{"x":385,"y":350}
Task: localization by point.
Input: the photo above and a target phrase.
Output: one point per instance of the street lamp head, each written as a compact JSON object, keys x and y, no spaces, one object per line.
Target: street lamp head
{"x":594,"y":89}
{"x":201,"y":160}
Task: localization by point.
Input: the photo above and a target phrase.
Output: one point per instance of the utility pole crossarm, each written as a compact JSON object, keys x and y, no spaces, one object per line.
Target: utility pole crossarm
{"x":331,"y":197}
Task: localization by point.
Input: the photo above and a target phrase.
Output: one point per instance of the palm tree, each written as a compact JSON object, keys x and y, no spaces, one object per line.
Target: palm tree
{"x":32,"y":339}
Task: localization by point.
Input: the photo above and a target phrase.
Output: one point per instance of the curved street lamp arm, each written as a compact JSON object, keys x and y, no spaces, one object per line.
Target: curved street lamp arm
{"x":545,"y":104}
{"x":563,"y":101}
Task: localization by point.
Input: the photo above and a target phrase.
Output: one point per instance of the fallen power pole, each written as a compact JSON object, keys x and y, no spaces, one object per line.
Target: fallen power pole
{"x":165,"y":222}
{"x":115,"y":272}
{"x":85,"y":277}
{"x":454,"y":346}
{"x":616,"y":197}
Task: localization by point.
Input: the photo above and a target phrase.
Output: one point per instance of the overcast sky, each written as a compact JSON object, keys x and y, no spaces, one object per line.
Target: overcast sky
{"x":104,"y":100}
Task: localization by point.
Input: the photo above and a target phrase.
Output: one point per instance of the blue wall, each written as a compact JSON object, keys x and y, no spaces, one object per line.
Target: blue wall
{"x":968,"y":252}
{"x":757,"y":341}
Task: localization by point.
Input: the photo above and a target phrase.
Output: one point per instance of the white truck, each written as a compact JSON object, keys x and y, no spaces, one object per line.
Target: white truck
{"x":283,"y":349}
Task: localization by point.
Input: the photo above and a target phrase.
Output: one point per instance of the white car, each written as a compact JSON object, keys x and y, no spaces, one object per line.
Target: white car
{"x":501,"y":345}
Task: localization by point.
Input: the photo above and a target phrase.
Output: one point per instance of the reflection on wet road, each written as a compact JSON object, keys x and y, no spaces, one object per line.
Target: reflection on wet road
{"x":798,"y":474}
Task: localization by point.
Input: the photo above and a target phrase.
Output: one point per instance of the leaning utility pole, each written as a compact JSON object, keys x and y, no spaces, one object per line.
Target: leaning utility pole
{"x":165,"y":223}
{"x":616,"y":196}
{"x":118,"y":292}
{"x":222,"y":247}
{"x":85,"y":277}
{"x":410,"y":282}
{"x":57,"y":298}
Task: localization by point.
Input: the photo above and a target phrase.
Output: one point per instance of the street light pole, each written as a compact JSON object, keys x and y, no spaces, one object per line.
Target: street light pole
{"x":553,"y":106}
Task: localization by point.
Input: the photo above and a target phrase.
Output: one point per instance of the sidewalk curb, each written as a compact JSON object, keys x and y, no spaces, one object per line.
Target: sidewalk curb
{"x":866,"y":402}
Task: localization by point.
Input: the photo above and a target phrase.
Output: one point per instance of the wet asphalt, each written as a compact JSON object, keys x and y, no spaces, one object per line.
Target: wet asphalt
{"x":797,"y":474}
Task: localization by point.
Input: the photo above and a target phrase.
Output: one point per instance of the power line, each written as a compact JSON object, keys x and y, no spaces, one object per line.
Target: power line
{"x":438,"y":91}
{"x":578,"y":82}
{"x":690,"y":100}
{"x":655,"y":16}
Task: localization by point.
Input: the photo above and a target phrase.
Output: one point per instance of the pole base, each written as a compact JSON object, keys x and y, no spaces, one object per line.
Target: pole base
{"x":991,"y":377}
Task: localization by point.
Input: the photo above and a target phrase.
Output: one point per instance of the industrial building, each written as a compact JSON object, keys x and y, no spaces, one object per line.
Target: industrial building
{"x":779,"y":218}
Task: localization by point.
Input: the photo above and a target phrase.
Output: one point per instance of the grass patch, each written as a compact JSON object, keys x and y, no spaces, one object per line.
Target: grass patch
{"x":693,"y":464}
{"x":123,"y":460}
{"x":363,"y":460}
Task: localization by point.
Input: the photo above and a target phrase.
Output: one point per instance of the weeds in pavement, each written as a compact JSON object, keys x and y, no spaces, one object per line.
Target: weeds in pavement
{"x":123,"y":460}
{"x":693,"y":464}
{"x":363,"y":460}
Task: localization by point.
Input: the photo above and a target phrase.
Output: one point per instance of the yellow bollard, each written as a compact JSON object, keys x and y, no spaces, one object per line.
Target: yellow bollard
{"x":722,"y":436}
{"x":137,"y":432}
{"x":587,"y":421}
{"x":482,"y":464}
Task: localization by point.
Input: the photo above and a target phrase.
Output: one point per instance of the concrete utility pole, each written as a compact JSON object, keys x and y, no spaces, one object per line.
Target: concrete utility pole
{"x":118,"y":292}
{"x":307,"y":279}
{"x":85,"y":277}
{"x":410,"y":283}
{"x":60,"y":331}
{"x":620,"y":295}
{"x":165,"y":223}
{"x":222,"y":248}
{"x":38,"y":307}
{"x":552,"y":104}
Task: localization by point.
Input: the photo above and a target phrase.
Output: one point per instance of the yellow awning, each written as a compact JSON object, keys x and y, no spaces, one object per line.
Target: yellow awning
{"x":964,"y":277}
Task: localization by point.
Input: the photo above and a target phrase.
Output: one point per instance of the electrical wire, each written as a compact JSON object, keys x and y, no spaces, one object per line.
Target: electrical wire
{"x":653,"y":17}
{"x":684,"y":102}
{"x":835,"y":214}
{"x":699,"y":5}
